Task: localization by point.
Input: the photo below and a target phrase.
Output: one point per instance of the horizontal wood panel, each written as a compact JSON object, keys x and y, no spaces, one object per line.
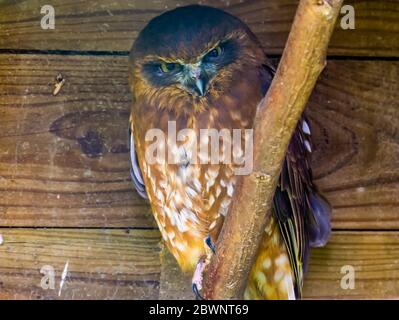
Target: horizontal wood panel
{"x":112,"y":26}
{"x":64,"y":159}
{"x":100,"y":264}
{"x":113,"y":264}
{"x":374,"y":257}
{"x":354,"y":113}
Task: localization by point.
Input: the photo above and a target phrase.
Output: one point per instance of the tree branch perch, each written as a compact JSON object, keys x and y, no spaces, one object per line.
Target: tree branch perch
{"x":301,"y":64}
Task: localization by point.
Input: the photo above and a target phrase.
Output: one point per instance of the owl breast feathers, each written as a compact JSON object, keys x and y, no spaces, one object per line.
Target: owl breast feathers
{"x":200,"y":68}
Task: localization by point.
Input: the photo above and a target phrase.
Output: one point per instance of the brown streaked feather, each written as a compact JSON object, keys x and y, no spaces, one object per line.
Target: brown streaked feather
{"x":271,"y":276}
{"x":189,"y":206}
{"x":291,"y":203}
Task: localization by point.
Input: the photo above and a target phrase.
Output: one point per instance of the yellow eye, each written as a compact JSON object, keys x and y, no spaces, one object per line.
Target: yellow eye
{"x":214,"y":53}
{"x":169,"y":67}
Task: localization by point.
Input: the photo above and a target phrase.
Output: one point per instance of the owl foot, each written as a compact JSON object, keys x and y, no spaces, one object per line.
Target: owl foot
{"x":199,"y":270}
{"x":197,"y":293}
{"x":198,"y":277}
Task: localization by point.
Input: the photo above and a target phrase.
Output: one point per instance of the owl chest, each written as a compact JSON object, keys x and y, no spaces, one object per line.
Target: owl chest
{"x":189,"y":190}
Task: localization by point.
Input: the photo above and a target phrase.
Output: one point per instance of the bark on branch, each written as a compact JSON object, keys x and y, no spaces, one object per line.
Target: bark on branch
{"x":301,"y":64}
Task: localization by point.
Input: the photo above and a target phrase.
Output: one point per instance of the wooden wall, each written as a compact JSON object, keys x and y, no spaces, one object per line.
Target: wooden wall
{"x":66,"y":199}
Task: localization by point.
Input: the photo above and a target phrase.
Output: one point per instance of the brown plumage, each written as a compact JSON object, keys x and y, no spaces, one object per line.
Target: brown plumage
{"x":204,"y":69}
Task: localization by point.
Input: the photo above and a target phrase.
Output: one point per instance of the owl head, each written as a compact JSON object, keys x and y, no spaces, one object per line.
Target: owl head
{"x":189,"y":56}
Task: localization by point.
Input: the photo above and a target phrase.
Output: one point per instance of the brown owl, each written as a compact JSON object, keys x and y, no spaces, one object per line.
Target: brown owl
{"x":196,"y":69}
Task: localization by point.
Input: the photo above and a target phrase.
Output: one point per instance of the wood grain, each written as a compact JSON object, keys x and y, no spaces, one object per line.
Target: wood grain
{"x":112,"y":26}
{"x":374,"y":257}
{"x":102,"y":264}
{"x":114,"y":264}
{"x":64,"y":159}
{"x":354,"y":113}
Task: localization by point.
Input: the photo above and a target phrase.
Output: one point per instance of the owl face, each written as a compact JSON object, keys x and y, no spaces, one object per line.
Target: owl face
{"x":185,"y":59}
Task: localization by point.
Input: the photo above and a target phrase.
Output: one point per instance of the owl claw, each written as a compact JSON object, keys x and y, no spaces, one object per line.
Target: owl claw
{"x":199,"y":270}
{"x":210,"y":244}
{"x":197,"y":278}
{"x":196,"y":292}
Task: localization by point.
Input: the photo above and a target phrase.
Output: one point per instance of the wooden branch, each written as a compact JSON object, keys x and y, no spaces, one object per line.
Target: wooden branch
{"x":302,"y":62}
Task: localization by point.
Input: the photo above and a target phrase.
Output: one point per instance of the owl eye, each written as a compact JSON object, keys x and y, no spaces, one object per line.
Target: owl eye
{"x":169,"y":67}
{"x":214,"y":53}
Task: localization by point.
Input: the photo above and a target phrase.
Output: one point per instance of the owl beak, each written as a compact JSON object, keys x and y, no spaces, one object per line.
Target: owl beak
{"x":197,"y":82}
{"x":200,"y":86}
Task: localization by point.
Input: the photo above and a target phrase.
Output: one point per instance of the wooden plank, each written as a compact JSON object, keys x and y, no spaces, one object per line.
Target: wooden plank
{"x":51,"y":177}
{"x":114,"y":264}
{"x":354,"y":114}
{"x":173,"y":284}
{"x":112,"y":26}
{"x":101,"y":264}
{"x":64,"y":159}
{"x":374,"y":257}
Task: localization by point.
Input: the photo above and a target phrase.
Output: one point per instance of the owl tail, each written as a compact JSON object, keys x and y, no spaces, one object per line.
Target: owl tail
{"x":320,"y":229}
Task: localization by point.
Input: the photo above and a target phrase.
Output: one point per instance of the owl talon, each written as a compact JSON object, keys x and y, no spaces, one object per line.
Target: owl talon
{"x":199,"y":270}
{"x":198,"y":277}
{"x":196,"y":292}
{"x":210,"y":244}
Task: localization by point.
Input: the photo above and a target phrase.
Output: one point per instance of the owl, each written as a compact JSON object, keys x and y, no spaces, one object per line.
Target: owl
{"x":198,"y":68}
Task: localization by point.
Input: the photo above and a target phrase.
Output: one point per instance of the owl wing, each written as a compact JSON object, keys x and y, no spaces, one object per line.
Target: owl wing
{"x":135,"y":171}
{"x":302,"y":214}
{"x":292,"y":205}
